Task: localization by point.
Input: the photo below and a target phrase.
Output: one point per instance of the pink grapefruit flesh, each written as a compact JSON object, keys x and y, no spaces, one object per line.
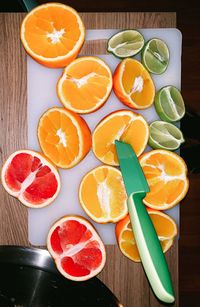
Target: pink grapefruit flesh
{"x":76,"y":247}
{"x":31,"y":178}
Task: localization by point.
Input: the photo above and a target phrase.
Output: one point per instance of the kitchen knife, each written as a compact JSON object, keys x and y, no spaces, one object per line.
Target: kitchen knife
{"x":148,"y":244}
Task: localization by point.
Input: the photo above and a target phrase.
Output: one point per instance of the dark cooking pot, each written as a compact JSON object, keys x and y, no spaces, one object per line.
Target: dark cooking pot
{"x":29,"y":278}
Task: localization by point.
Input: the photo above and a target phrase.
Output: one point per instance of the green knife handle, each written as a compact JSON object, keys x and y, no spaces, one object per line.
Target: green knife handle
{"x":149,"y":248}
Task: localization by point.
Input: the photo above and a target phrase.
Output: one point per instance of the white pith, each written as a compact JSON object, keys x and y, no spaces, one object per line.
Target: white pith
{"x":82,"y":81}
{"x":137,"y":85}
{"x":56,"y":35}
{"x":61,"y":134}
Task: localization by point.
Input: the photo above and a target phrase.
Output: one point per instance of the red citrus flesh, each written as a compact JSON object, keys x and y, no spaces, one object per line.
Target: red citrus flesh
{"x":28,"y":176}
{"x":77,"y":249}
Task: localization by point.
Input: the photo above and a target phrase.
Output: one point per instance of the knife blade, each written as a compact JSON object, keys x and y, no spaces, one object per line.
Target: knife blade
{"x":148,"y":244}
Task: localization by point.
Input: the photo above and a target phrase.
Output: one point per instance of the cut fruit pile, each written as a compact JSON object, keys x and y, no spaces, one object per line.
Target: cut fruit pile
{"x":122,"y":125}
{"x":76,"y":247}
{"x":64,"y":137}
{"x":165,"y":227}
{"x":102,"y":195}
{"x":133,"y":84}
{"x":166,"y":174}
{"x":30,"y":177}
{"x":53,"y":34}
{"x":85,"y":85}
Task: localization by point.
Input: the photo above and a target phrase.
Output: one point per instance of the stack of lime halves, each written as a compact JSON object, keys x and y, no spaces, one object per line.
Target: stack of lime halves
{"x":168,"y":102}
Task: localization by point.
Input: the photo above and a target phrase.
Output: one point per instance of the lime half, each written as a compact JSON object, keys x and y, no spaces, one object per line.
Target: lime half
{"x":169,"y":104}
{"x":165,"y":136}
{"x":125,"y":43}
{"x":155,"y":56}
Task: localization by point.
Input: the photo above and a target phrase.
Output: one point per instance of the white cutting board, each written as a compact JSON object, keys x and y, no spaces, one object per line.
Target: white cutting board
{"x":42,"y":95}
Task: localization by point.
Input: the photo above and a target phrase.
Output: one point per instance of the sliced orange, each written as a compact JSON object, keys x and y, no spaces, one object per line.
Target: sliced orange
{"x":53,"y":34}
{"x":64,"y":137}
{"x":133,"y":84}
{"x":102,"y":194}
{"x":85,"y":85}
{"x":165,"y":227}
{"x":166,"y":173}
{"x":124,"y":125}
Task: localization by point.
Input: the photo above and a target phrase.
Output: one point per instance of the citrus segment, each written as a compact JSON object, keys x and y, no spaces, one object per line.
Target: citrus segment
{"x":53,"y":34}
{"x":76,"y":247}
{"x":102,"y":194}
{"x":126,"y":43}
{"x":169,"y":104}
{"x":165,"y":136}
{"x":155,"y":56}
{"x":165,"y":227}
{"x":123,"y":125}
{"x":85,"y":85}
{"x":64,"y":137}
{"x":28,"y":176}
{"x":133,"y":84}
{"x":166,"y":174}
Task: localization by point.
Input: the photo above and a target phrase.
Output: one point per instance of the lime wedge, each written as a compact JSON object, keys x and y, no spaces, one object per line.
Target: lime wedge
{"x":155,"y":56}
{"x":125,"y":43}
{"x":164,"y":135}
{"x":169,"y":104}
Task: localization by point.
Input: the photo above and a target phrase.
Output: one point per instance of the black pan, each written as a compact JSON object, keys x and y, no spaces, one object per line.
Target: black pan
{"x":29,"y":278}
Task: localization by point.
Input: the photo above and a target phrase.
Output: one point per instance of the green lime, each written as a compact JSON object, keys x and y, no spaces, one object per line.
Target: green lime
{"x":155,"y":56}
{"x":169,"y":104}
{"x":126,"y":43}
{"x":164,"y":135}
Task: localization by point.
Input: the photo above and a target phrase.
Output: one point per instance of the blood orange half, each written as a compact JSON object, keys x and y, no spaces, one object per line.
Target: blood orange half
{"x":77,"y":249}
{"x":30,"y":177}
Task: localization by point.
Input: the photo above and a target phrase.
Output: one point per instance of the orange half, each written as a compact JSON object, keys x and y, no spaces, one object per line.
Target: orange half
{"x":85,"y":85}
{"x":165,"y":227}
{"x":102,"y":194}
{"x":133,"y":84}
{"x":53,"y":34}
{"x":64,"y":137}
{"x":166,"y":174}
{"x":124,"y":125}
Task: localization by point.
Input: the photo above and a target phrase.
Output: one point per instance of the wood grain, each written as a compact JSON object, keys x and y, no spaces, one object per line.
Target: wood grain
{"x":123,"y":277}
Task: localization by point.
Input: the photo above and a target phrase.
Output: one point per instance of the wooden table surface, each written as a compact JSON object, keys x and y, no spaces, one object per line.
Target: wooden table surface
{"x":125,"y":278}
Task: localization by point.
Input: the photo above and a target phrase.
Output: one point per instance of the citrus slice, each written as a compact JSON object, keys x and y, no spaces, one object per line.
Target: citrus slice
{"x":85,"y":85}
{"x":102,"y":194}
{"x":164,"y":135}
{"x":77,"y":249}
{"x":53,"y":34}
{"x":64,"y":137}
{"x":133,"y":84}
{"x":126,"y":43}
{"x":165,"y":227}
{"x":166,"y":174}
{"x":155,"y":56}
{"x":124,"y":125}
{"x":30,"y":177}
{"x":169,"y":104}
